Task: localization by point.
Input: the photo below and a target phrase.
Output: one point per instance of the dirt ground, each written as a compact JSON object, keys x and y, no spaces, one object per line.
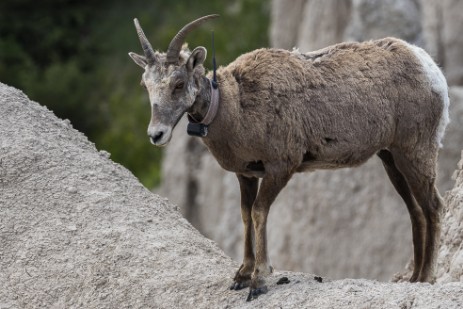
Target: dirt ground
{"x":79,"y":231}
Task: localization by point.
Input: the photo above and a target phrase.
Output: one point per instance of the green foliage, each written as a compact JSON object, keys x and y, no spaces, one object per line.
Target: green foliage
{"x":72,"y":56}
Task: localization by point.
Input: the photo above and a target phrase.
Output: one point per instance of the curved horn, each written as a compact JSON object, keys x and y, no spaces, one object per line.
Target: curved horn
{"x":145,"y":44}
{"x":175,"y":45}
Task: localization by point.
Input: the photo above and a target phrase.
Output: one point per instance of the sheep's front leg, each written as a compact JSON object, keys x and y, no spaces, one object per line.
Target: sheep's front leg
{"x":271,"y":185}
{"x":248,"y":188}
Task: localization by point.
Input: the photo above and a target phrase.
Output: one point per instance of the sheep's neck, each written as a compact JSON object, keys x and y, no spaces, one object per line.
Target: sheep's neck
{"x":201,"y":105}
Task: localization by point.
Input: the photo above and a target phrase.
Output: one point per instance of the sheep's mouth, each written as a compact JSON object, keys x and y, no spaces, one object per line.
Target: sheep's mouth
{"x":178,"y":120}
{"x":163,"y":138}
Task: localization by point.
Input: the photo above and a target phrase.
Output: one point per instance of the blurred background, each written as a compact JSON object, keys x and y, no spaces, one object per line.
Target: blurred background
{"x":72,"y":57}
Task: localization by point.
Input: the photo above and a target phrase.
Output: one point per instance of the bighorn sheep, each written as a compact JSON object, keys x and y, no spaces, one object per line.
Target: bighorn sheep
{"x":280,"y":112}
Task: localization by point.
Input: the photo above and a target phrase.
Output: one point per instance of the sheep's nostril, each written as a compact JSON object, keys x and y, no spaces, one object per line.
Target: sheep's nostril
{"x":157,"y":137}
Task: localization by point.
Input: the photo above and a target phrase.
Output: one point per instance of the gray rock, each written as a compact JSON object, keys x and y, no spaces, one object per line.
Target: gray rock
{"x":308,"y":24}
{"x":453,"y":141}
{"x":375,"y":19}
{"x":285,"y":21}
{"x":314,"y":24}
{"x":451,"y":251}
{"x":323,"y":23}
{"x":442,"y":23}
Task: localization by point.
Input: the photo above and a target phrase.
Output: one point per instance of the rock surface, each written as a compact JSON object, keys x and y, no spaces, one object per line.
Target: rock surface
{"x":376,"y":19}
{"x":79,"y":231}
{"x":314,"y":24}
{"x":323,"y":23}
{"x":442,"y":23}
{"x":451,"y":251}
{"x":286,"y":19}
{"x":453,"y":141}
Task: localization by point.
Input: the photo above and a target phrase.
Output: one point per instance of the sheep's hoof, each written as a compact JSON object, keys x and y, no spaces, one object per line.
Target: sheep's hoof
{"x":239,"y":285}
{"x":255,"y":292}
{"x":241,"y":281}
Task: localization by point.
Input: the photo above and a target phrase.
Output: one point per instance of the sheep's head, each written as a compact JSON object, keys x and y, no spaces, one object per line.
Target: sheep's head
{"x":172,"y":80}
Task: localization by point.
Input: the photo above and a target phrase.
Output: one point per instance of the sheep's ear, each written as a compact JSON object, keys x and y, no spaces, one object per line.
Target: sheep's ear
{"x":197,"y":57}
{"x":140,"y":60}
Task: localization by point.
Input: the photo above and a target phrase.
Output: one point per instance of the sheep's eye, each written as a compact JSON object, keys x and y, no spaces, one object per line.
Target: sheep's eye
{"x":179,"y":86}
{"x":142,"y":83}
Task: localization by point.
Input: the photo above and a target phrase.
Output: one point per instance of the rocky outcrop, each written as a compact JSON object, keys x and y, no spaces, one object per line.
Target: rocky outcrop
{"x":286,"y":19}
{"x":453,"y":141}
{"x":79,"y":231}
{"x":375,"y":19}
{"x":323,"y":23}
{"x":314,"y":24}
{"x":308,"y":24}
{"x":442,"y":24}
{"x":451,"y":252}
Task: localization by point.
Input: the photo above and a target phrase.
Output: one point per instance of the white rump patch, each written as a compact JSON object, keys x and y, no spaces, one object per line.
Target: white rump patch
{"x":438,"y":85}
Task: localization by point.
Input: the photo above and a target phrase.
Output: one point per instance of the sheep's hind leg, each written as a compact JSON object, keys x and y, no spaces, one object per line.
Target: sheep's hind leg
{"x":416,"y":215}
{"x":271,"y":185}
{"x":421,"y":174}
{"x":248,"y":187}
